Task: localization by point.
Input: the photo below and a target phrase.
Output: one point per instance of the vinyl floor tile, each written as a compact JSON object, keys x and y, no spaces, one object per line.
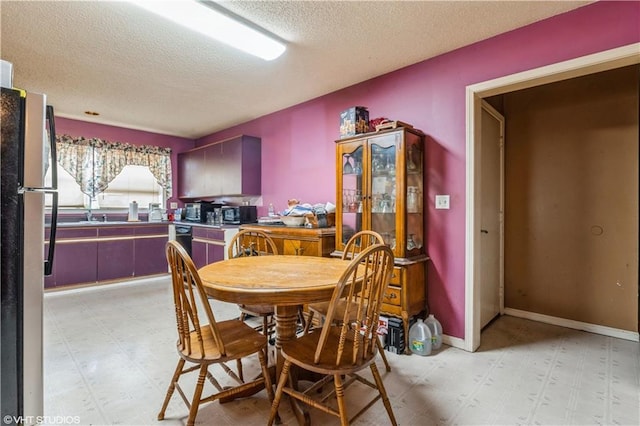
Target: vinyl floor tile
{"x":110,"y":353}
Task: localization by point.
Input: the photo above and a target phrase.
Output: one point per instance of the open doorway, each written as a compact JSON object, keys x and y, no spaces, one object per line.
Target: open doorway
{"x":608,"y":60}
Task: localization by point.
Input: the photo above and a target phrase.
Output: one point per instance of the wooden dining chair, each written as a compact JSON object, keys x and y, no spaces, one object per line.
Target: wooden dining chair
{"x":254,"y":243}
{"x":355,"y":245}
{"x":346,"y":343}
{"x":205,"y":344}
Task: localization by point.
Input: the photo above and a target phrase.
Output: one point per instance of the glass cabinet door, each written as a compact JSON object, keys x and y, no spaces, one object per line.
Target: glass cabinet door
{"x":383,"y":191}
{"x":380,"y":188}
{"x":352,"y":205}
{"x":414,"y":194}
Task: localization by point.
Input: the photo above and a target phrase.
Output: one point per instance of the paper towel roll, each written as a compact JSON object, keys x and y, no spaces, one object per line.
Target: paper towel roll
{"x":133,"y":212}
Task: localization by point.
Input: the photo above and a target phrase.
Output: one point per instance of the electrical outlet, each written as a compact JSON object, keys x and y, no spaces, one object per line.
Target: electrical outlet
{"x":173,"y":205}
{"x":442,"y":202}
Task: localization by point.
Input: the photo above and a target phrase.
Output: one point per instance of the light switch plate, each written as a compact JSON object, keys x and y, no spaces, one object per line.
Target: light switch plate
{"x":442,"y":202}
{"x":173,"y":205}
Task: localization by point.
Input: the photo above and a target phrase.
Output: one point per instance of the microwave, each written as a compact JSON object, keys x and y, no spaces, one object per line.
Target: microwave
{"x":197,"y":212}
{"x":236,"y":215}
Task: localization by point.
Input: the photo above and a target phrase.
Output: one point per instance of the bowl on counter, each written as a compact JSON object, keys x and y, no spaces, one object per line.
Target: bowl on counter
{"x":292,"y":220}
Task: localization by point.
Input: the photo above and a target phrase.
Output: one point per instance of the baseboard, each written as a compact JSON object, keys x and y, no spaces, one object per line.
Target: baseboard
{"x":102,"y":284}
{"x":577,"y":325}
{"x":455,"y":342}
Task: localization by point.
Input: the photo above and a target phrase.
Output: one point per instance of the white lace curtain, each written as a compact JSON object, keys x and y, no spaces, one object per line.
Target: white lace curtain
{"x":94,"y":163}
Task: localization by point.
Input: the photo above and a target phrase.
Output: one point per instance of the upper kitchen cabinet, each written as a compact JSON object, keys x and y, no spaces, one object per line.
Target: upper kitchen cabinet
{"x":231,"y":167}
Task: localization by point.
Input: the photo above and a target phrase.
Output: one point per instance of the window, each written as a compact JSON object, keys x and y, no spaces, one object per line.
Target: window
{"x":134,"y":183}
{"x":93,"y":173}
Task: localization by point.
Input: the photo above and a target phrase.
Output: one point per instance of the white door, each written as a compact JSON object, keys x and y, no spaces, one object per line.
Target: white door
{"x":491,"y":215}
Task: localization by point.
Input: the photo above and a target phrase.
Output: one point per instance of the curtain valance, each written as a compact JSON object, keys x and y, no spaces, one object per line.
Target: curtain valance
{"x":94,"y":163}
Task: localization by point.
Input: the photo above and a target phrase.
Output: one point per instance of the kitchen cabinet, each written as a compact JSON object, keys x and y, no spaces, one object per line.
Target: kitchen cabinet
{"x":114,"y":259}
{"x":149,"y":250}
{"x":210,"y":244}
{"x":231,"y":167}
{"x":379,"y":187}
{"x":299,"y":241}
{"x":88,"y":254}
{"x":76,"y":256}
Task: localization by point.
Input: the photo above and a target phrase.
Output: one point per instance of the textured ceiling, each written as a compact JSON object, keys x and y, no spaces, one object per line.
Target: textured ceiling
{"x":140,"y":71}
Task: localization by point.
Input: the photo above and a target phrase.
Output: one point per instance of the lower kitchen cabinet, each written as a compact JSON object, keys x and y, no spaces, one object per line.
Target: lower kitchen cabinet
{"x":209,"y":245}
{"x":149,"y":250}
{"x":114,"y":259}
{"x":75,"y":263}
{"x":90,"y":254}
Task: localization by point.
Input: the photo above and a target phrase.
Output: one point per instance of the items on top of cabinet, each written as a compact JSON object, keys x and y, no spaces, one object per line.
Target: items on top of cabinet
{"x":353,"y":121}
{"x":391,"y":124}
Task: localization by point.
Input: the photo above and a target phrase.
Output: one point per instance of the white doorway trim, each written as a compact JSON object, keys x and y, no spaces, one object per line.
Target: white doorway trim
{"x":597,"y":62}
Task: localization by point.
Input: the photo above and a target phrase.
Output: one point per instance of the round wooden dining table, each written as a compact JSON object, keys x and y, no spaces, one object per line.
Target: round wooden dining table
{"x":283,"y":281}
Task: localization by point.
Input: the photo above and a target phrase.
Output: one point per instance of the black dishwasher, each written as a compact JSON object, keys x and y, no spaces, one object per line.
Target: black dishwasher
{"x":183,"y":237}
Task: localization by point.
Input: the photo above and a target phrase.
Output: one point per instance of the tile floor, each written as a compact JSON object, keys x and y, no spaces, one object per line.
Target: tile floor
{"x":110,"y":352}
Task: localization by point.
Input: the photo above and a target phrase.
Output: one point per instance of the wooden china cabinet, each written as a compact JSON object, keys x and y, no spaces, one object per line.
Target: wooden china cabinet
{"x":380,"y":183}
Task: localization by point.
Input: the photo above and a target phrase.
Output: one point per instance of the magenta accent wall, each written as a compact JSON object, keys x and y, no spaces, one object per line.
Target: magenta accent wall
{"x":298,"y":152}
{"x":77,"y":128}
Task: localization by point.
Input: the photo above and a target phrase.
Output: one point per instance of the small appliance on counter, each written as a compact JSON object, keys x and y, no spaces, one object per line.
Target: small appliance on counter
{"x":197,"y":212}
{"x":156,"y":214}
{"x":237,"y":215}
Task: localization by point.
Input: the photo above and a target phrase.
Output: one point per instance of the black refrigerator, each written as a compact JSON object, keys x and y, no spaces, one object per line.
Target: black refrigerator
{"x":27,"y":150}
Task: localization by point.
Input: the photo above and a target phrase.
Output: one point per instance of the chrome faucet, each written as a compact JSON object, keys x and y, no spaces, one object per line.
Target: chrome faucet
{"x":104,"y":217}
{"x":89,"y":215}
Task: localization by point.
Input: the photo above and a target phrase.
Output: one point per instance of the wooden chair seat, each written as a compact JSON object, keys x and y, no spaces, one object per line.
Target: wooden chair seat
{"x":240,"y":341}
{"x":302,"y":351}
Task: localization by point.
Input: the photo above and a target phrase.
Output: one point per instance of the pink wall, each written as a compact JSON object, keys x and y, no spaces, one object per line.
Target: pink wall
{"x":77,"y":128}
{"x":298,"y":152}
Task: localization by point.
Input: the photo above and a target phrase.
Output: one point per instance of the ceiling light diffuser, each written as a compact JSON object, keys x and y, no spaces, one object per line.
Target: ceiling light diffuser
{"x":215,"y":24}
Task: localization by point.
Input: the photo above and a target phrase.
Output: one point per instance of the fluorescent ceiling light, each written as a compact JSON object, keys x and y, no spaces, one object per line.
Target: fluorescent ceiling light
{"x":215,"y":24}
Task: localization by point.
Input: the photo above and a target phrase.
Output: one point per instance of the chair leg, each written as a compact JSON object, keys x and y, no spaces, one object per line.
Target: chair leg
{"x":172,"y":387}
{"x":197,"y":394}
{"x":267,"y":376}
{"x":284,"y":375}
{"x":239,"y":367}
{"x":384,"y":357}
{"x":383,"y":393}
{"x":265,"y":331}
{"x":301,"y":319}
{"x":342,"y":406}
{"x":307,"y":326}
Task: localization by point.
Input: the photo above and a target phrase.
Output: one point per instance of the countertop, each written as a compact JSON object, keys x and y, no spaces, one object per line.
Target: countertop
{"x":203,"y":225}
{"x":96,"y":223}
